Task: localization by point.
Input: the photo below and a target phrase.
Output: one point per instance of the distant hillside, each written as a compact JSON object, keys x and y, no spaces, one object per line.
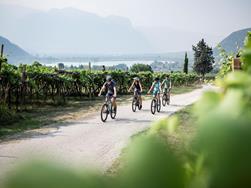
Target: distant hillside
{"x":14,"y":53}
{"x":70,"y":31}
{"x":233,"y":42}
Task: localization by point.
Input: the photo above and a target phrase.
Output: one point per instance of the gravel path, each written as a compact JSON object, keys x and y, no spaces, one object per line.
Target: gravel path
{"x":88,"y":141}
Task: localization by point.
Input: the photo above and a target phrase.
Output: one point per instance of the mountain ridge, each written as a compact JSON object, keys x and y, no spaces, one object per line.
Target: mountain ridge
{"x":233,"y":42}
{"x":71,"y":30}
{"x":13,"y":52}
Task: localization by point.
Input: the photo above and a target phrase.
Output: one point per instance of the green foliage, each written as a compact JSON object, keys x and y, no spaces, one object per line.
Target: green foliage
{"x":225,"y":62}
{"x":185,"y":69}
{"x":46,"y":82}
{"x":246,"y":54}
{"x":42,"y":174}
{"x":5,"y":114}
{"x":150,"y":163}
{"x":203,"y":58}
{"x":141,"y":68}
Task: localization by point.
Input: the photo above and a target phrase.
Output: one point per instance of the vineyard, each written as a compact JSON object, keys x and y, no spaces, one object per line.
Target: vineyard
{"x":38,"y":84}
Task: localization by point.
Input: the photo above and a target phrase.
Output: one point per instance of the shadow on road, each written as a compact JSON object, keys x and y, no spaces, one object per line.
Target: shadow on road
{"x":130,"y":120}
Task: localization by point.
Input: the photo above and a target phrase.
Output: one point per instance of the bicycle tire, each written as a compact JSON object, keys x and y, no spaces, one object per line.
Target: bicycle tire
{"x":140,"y":106}
{"x":153,"y":106}
{"x":113,"y":112}
{"x":164,"y":100}
{"x":134,"y":106}
{"x":104,"y":112}
{"x":168,"y":99}
{"x":158,"y":106}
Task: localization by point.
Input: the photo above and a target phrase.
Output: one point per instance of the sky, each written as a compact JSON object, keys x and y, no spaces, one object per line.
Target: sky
{"x":215,"y":17}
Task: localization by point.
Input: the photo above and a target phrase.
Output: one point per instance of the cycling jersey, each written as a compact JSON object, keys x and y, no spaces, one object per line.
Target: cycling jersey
{"x":137,"y":88}
{"x":167,"y":83}
{"x":110,"y":88}
{"x":156,"y":88}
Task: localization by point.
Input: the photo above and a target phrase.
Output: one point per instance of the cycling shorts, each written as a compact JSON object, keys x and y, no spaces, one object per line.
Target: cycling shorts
{"x":138,"y":92}
{"x":156,"y":92}
{"x":110,"y":95}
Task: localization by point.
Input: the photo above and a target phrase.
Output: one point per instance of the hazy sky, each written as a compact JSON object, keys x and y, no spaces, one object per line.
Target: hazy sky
{"x":216,"y":17}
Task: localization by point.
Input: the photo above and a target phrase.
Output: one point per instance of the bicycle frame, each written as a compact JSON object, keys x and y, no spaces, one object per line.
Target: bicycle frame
{"x":108,"y":101}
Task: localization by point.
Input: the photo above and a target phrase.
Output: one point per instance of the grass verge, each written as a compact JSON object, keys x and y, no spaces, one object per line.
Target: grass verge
{"x":184,"y":89}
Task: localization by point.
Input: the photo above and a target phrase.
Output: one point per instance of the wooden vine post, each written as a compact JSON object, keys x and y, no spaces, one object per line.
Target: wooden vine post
{"x":236,"y":65}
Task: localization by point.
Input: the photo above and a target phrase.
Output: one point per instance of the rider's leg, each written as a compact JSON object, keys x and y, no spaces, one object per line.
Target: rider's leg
{"x":114,"y":104}
{"x":158,"y":96}
{"x":135,"y":93}
{"x":140,"y":100}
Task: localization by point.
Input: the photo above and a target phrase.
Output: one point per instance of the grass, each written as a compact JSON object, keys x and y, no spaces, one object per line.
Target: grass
{"x":43,"y":115}
{"x":179,"y":140}
{"x":185,"y":116}
{"x":184,"y":89}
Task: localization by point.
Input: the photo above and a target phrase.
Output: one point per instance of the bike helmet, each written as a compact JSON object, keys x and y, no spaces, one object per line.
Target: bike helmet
{"x":109,"y":78}
{"x":136,"y":78}
{"x":156,"y":79}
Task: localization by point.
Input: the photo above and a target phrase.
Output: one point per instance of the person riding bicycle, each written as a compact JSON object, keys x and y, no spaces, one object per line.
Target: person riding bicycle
{"x":166,"y":84}
{"x":110,"y":86}
{"x":137,"y":89}
{"x":156,"y":88}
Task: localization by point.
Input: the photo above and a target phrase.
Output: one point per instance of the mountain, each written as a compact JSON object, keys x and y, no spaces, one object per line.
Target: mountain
{"x":70,"y":31}
{"x":14,"y":53}
{"x":233,"y":42}
{"x":165,"y":39}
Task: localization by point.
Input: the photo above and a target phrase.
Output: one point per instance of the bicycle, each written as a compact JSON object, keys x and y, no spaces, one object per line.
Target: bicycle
{"x":107,"y":109}
{"x":166,"y":98}
{"x":155,"y":105}
{"x":136,"y":103}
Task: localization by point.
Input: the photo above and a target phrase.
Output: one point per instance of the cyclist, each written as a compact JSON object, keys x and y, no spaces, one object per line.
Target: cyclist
{"x":110,"y":87}
{"x":156,"y":88}
{"x":166,"y":84}
{"x":137,"y":89}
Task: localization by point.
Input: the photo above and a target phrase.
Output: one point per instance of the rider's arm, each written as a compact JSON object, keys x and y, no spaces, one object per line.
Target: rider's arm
{"x":151,"y":88}
{"x":115,"y":92}
{"x":131,"y":86}
{"x":162,"y":83}
{"x":140,"y":87}
{"x":102,"y":89}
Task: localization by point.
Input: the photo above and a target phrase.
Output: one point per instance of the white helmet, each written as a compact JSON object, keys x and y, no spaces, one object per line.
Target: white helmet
{"x":108,"y":78}
{"x":136,"y":78}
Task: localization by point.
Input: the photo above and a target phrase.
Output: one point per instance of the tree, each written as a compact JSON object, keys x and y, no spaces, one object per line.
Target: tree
{"x":141,"y":68}
{"x":185,"y":70}
{"x":203,"y":58}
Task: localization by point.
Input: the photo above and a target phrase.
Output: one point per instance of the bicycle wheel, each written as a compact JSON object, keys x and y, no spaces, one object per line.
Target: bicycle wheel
{"x":134,"y":104}
{"x":153,"y":106}
{"x":113,"y":112}
{"x":168,"y":99}
{"x":139,"y":105}
{"x":164,"y":100}
{"x":104,"y":112}
{"x":158,"y":105}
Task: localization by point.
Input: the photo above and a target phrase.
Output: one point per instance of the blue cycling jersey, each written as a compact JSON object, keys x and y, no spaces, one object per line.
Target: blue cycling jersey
{"x":156,"y":87}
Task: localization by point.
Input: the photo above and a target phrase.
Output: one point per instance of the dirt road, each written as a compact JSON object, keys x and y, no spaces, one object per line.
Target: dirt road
{"x":88,"y":141}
